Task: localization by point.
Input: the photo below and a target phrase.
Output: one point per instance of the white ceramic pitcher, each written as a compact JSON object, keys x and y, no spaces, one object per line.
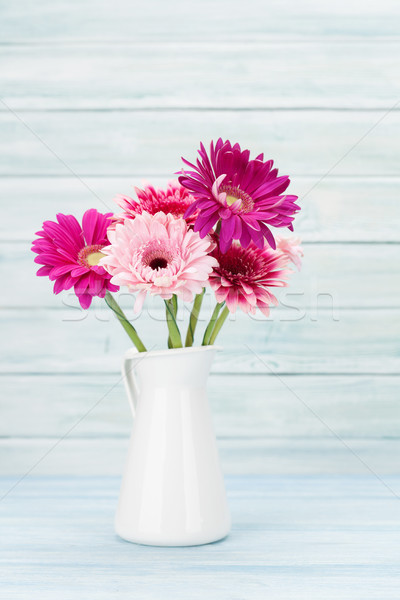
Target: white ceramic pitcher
{"x":172,"y":492}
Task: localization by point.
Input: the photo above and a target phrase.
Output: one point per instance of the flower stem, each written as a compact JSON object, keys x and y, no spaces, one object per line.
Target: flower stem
{"x":129,"y":328}
{"x":194,"y":316}
{"x":210,"y":326}
{"x":174,"y":339}
{"x":174,"y":308}
{"x":220,"y":321}
{"x":174,"y":302}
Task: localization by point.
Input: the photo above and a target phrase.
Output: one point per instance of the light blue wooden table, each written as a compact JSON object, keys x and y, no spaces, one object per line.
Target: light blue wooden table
{"x":293,"y":537}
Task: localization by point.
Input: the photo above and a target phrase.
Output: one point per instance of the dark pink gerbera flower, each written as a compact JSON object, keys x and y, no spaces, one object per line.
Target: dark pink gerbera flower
{"x":175,"y":200}
{"x":70,"y":254}
{"x":245,"y":196}
{"x":244,"y":275}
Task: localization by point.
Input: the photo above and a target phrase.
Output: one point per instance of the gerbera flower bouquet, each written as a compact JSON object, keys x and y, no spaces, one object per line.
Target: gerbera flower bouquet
{"x":214,"y":227}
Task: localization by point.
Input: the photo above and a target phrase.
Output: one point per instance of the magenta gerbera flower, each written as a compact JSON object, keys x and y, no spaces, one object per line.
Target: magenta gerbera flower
{"x":244,"y":275}
{"x":70,"y":254}
{"x":160,"y":255}
{"x":245,"y":196}
{"x":175,"y":200}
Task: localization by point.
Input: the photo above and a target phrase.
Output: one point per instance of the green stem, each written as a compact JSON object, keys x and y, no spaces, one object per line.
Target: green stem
{"x":174,"y":309}
{"x":210,"y":326}
{"x":220,"y":321}
{"x":174,"y":339}
{"x":129,"y":328}
{"x":194,"y":316}
{"x":174,"y":302}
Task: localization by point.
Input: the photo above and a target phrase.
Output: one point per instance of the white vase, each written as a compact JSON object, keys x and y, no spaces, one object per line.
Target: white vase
{"x":172,"y":491}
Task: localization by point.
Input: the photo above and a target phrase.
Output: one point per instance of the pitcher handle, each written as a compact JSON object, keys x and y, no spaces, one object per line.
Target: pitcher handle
{"x":131,"y":387}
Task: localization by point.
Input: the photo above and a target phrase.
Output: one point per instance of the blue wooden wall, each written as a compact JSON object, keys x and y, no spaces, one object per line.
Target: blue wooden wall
{"x":97,"y":96}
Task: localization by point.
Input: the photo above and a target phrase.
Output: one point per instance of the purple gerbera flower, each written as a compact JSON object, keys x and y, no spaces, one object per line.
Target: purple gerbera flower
{"x":245,"y":196}
{"x":70,"y":255}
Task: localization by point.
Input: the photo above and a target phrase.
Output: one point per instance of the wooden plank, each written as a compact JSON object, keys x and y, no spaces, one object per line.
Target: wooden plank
{"x":338,"y":209}
{"x":338,"y":500}
{"x":291,"y":341}
{"x":292,"y":537}
{"x":347,"y":275}
{"x":120,"y":143}
{"x":272,"y":456}
{"x":273,"y":75}
{"x":243,"y":406}
{"x":255,"y":21}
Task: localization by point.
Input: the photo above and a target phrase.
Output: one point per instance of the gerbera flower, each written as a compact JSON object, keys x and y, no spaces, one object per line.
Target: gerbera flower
{"x":70,"y":254}
{"x":158,"y":254}
{"x":291,"y":247}
{"x":244,"y":195}
{"x":174,"y":200}
{"x":244,"y":275}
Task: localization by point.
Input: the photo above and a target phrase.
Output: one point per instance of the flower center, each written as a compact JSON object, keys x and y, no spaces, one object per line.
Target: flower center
{"x":158,"y":263}
{"x":90,"y":255}
{"x":157,"y":255}
{"x":235,"y":265}
{"x":233,"y":194}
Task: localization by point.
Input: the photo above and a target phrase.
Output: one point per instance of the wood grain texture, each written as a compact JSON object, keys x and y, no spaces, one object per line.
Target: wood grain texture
{"x":332,"y":275}
{"x":188,"y":20}
{"x":114,"y":93}
{"x":291,"y":341}
{"x":317,"y":73}
{"x":151,"y":143}
{"x":338,"y":209}
{"x":292,"y":537}
{"x":280,"y":455}
{"x":243,"y":406}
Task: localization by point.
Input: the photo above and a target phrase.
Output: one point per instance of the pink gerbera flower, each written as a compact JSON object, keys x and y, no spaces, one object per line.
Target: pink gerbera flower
{"x":244,"y":275}
{"x":175,"y":200}
{"x":245,"y":196}
{"x":158,"y":254}
{"x":70,"y":255}
{"x":291,"y":247}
